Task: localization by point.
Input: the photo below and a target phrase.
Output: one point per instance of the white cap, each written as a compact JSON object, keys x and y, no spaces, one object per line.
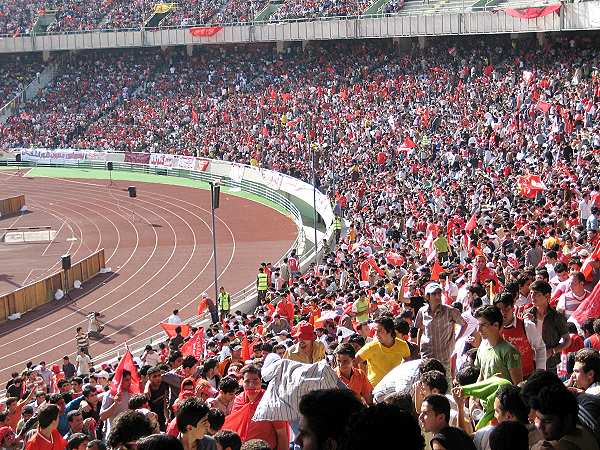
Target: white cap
{"x":102,"y":374}
{"x":432,"y":287}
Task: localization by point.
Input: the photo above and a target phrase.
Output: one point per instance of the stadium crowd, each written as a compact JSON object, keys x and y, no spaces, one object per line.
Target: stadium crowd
{"x":17,"y":18}
{"x":16,"y":73}
{"x":458,"y":306}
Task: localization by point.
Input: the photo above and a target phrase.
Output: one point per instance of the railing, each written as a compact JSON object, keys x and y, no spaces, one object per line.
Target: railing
{"x":467,"y":6}
{"x":11,"y":205}
{"x":41,"y":292}
{"x":245,"y":298}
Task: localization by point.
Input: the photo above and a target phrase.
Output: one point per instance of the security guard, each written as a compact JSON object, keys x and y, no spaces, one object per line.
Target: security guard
{"x":224,"y":302}
{"x":262,"y":285}
{"x":337,"y":226}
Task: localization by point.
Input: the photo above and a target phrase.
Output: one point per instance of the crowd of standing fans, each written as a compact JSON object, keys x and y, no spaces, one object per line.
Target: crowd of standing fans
{"x":458,"y":305}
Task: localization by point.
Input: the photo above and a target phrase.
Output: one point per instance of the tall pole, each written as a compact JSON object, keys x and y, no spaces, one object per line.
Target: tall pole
{"x":314,"y":183}
{"x":214,"y":238}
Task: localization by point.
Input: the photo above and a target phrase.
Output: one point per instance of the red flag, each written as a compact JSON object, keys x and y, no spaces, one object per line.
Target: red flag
{"x":408,"y":142}
{"x":364,"y":270}
{"x":471,"y":224}
{"x":533,"y":13}
{"x":245,"y":349}
{"x":586,"y":267}
{"x":204,"y":31}
{"x":126,"y":363}
{"x":170,"y":329}
{"x":202,"y":305}
{"x":530,"y":185}
{"x":194,"y":115}
{"x":543,"y":106}
{"x":436,"y":270}
{"x":375,"y":267}
{"x":394,"y":258}
{"x":590,"y":307}
{"x":195,"y":346}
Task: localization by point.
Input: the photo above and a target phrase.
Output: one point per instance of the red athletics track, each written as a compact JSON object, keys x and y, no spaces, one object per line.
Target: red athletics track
{"x":159,"y":247}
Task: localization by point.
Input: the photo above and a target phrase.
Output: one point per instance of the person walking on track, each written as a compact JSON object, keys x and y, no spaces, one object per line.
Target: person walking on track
{"x":82,"y":341}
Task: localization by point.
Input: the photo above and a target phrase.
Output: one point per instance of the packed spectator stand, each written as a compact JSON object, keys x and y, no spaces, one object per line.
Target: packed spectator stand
{"x":446,"y":296}
{"x":16,"y":72}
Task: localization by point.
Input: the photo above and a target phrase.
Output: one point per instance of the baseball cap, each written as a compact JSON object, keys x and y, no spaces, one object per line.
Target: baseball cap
{"x":102,"y":374}
{"x":432,"y":287}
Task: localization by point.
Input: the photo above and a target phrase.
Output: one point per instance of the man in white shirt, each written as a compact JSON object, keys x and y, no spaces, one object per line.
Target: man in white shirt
{"x":174,"y":318}
{"x":83,"y":363}
{"x":585,"y":208}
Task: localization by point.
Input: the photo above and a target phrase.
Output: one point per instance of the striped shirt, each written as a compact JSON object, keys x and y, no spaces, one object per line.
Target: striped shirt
{"x":82,"y":340}
{"x":568,"y":302}
{"x":288,"y":382}
{"x":438,"y":331}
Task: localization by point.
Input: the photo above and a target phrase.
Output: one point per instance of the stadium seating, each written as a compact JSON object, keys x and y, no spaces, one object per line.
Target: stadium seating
{"x":253,"y":103}
{"x":16,"y":72}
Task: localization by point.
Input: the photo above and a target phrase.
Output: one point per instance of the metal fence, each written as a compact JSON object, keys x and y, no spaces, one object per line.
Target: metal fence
{"x":427,"y":7}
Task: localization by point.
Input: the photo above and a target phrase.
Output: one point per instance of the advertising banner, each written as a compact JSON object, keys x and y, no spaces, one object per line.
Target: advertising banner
{"x":56,"y":156}
{"x":202,"y":164}
{"x":186,"y":162}
{"x":137,"y":158}
{"x":162,"y":160}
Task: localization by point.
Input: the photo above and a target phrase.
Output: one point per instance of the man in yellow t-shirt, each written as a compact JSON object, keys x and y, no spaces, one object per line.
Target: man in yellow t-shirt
{"x":385,"y":353}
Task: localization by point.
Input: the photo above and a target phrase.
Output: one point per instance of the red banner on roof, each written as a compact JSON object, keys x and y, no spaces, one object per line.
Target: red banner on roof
{"x":204,"y":31}
{"x":533,"y":13}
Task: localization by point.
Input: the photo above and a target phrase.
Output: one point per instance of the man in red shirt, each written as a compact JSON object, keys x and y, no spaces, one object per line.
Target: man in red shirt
{"x":285,"y":308}
{"x":275,"y":433}
{"x":482,"y":274}
{"x":47,"y":436}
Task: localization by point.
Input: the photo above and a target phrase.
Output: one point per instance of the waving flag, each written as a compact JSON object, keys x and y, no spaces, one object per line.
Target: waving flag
{"x":530,"y":185}
{"x":195,"y":346}
{"x":170,"y":329}
{"x":590,"y":307}
{"x":436,"y":270}
{"x":586,"y":267}
{"x":394,"y":259}
{"x":245,"y":348}
{"x":471,"y":224}
{"x":407,"y":145}
{"x":126,"y":363}
{"x":543,"y":106}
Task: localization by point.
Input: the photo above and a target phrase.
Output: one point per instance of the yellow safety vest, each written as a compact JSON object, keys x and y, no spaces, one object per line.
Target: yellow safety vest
{"x":224,"y":301}
{"x":263,"y":284}
{"x":337,"y":224}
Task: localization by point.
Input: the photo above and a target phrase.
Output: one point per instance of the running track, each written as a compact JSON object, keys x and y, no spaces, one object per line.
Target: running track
{"x":158,"y":246}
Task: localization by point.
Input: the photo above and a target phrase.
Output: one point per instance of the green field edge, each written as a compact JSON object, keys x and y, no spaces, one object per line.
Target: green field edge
{"x":117,"y":175}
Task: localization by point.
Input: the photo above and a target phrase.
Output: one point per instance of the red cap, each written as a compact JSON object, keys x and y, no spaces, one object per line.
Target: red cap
{"x":305,"y":332}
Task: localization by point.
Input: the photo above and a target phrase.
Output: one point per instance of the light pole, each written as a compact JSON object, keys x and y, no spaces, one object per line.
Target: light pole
{"x":314,"y":183}
{"x":215,"y":190}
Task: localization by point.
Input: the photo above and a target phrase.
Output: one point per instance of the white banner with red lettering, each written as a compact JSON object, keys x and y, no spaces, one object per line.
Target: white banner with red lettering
{"x":164,"y":160}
